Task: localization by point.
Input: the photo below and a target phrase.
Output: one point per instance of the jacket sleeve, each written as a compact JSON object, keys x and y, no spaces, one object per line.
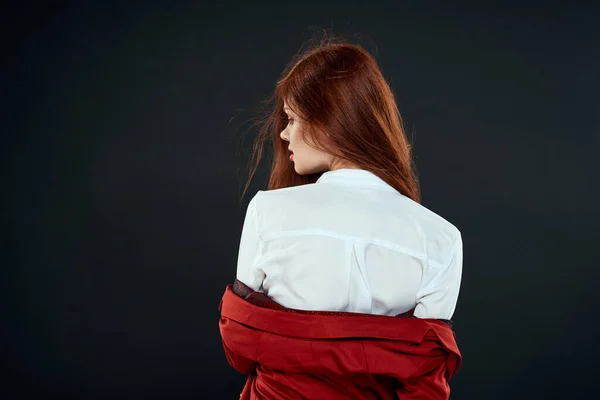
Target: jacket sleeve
{"x":250,"y":249}
{"x":439,"y":297}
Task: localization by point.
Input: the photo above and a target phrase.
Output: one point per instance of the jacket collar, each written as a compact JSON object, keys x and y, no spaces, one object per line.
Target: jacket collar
{"x":323,"y":324}
{"x":354,"y":177}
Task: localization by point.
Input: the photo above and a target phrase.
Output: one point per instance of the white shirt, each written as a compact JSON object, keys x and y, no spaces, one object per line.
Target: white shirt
{"x":350,"y":242}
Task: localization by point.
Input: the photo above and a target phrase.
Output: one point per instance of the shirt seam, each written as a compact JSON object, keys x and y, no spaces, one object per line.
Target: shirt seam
{"x":320,"y":232}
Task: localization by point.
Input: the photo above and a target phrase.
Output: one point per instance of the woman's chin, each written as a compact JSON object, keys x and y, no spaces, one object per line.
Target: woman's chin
{"x":298,"y":169}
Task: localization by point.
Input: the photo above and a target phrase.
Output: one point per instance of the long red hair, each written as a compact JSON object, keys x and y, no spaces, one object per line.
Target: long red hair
{"x":340,"y":92}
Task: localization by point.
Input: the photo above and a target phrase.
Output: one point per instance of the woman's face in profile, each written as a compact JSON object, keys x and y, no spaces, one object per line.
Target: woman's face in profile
{"x":306,"y":159}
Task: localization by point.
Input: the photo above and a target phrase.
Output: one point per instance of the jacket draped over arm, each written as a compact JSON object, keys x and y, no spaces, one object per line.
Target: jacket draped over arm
{"x":295,"y":354}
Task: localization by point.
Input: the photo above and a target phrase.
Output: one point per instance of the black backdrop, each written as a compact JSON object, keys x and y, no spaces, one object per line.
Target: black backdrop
{"x":124,"y":158}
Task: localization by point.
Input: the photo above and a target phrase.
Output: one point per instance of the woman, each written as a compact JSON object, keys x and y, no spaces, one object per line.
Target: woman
{"x":346,"y":284}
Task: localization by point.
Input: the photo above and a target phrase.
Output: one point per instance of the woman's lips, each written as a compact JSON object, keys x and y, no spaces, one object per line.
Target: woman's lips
{"x":292,"y":157}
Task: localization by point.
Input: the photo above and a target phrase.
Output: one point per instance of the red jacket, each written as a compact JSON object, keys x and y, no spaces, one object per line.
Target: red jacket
{"x":294,"y":354}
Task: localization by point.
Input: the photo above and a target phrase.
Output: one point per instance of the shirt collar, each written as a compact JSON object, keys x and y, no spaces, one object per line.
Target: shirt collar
{"x":354,"y":177}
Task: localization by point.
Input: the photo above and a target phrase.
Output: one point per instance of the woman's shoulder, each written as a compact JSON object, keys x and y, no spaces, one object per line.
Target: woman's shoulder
{"x":286,"y":195}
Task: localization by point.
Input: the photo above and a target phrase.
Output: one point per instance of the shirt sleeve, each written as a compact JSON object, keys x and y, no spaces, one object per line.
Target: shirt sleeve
{"x":439,"y":297}
{"x":250,"y":250}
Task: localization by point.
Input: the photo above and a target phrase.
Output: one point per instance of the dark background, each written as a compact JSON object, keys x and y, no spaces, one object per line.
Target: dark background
{"x":124,"y":155}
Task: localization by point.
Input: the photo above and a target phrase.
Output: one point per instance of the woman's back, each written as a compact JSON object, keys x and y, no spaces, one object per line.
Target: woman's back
{"x":350,"y":242}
